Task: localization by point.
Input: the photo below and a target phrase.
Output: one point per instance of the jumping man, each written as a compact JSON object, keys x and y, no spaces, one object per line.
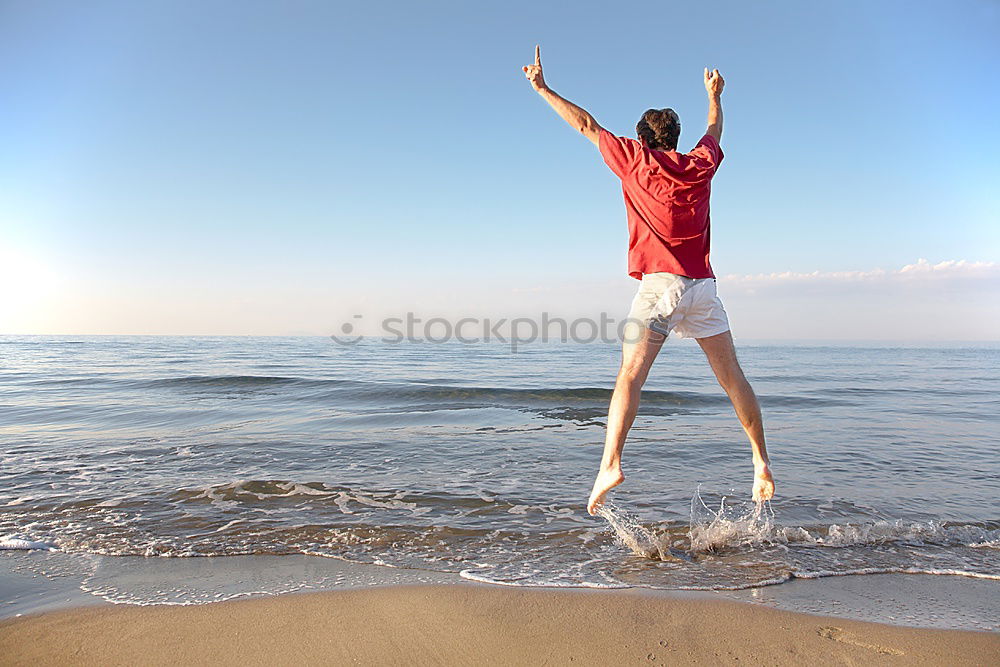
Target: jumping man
{"x":666,"y":201}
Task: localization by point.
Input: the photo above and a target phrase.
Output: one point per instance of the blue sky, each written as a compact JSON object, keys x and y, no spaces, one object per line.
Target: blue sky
{"x":252,"y":167}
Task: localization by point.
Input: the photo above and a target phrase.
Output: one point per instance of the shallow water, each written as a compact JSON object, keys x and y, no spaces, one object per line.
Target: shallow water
{"x":470,"y":458}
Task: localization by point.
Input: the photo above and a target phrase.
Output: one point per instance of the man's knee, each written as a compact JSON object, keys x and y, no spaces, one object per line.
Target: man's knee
{"x":633,"y":374}
{"x":732,"y":379}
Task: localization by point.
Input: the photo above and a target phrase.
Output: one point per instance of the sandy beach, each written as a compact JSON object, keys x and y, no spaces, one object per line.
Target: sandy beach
{"x":475,"y":624}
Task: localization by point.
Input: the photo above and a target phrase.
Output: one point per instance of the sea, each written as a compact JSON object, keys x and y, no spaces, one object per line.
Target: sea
{"x":477,"y":460}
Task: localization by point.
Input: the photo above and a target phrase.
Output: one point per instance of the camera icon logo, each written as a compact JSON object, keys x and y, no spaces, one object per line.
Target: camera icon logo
{"x":347,"y":333}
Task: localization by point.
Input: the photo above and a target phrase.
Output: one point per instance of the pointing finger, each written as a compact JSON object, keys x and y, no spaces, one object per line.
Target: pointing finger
{"x":538,"y":55}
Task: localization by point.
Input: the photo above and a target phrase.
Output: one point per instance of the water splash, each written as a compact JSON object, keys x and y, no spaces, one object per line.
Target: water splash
{"x":711,"y":531}
{"x":741,"y":526}
{"x":631,"y":534}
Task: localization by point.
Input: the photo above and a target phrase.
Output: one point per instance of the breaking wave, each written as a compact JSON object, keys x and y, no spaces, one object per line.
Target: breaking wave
{"x":488,"y":537}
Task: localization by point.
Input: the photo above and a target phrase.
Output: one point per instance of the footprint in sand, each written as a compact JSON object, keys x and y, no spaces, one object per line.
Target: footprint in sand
{"x":844,"y":637}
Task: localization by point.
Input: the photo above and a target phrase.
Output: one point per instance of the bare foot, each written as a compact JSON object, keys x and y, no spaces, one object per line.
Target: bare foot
{"x":763,"y":483}
{"x":607,"y":479}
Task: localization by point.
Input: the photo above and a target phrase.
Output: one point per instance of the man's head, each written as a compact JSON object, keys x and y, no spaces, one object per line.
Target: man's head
{"x":659,"y":129}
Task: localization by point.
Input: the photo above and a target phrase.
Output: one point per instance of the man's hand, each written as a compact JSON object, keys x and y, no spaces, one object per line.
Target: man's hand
{"x":713,"y":82}
{"x":534,"y":73}
{"x":581,"y":121}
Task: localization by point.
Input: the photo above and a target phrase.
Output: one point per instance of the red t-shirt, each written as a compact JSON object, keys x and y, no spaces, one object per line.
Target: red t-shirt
{"x":666,"y":199}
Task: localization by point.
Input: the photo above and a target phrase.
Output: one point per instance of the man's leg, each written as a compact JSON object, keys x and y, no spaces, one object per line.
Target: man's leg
{"x":722,"y":357}
{"x":637,"y":358}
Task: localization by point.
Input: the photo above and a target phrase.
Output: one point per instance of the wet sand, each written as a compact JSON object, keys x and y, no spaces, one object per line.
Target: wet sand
{"x":475,"y":624}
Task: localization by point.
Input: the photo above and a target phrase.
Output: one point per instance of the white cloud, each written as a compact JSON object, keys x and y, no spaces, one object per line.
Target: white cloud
{"x":921,"y":269}
{"x":953,"y":300}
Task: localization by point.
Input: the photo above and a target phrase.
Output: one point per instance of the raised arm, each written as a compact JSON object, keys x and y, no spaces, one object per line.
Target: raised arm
{"x":582,"y":121}
{"x":713,"y":85}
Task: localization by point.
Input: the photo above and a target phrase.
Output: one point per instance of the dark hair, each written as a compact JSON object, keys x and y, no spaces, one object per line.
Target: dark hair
{"x":659,"y":128}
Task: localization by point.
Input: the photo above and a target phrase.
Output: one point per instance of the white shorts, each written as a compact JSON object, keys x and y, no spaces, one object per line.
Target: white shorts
{"x":668,"y":302}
